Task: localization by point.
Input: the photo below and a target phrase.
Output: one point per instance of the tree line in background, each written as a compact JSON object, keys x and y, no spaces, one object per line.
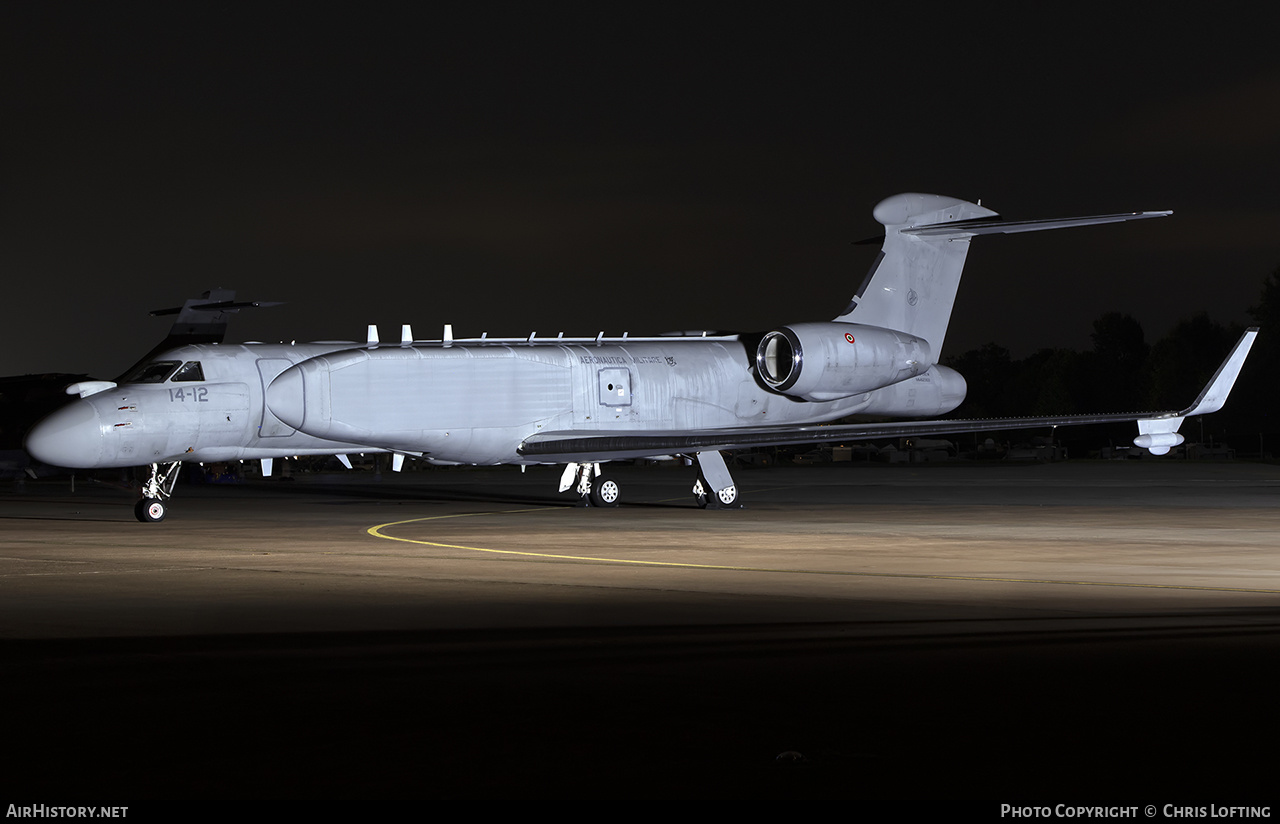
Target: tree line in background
{"x":1123,"y":373}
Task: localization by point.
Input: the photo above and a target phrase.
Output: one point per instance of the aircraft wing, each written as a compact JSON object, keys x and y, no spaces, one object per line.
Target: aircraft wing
{"x":598,"y":445}
{"x":584,"y":446}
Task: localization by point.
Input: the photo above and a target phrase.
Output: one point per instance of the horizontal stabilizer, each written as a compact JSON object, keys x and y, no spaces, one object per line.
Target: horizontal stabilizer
{"x":218,"y":306}
{"x":985,"y":226}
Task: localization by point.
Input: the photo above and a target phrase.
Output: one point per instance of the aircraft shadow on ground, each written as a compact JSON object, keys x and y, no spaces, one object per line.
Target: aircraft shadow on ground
{"x":496,"y":494}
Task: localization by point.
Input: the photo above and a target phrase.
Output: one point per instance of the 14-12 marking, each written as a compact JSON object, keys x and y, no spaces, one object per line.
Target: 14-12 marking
{"x":196,"y":394}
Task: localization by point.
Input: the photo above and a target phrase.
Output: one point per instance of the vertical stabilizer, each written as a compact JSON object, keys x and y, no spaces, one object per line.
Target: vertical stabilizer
{"x":199,"y":320}
{"x":912,"y":284}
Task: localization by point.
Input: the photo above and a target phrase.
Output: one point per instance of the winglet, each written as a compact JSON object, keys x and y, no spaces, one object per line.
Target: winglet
{"x":1215,"y":394}
{"x":1158,"y":435}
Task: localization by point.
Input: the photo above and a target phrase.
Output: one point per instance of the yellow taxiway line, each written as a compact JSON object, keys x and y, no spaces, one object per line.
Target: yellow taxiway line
{"x":377,"y":532}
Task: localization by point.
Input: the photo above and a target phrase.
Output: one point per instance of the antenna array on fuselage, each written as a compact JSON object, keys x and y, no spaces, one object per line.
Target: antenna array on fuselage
{"x":600,"y":339}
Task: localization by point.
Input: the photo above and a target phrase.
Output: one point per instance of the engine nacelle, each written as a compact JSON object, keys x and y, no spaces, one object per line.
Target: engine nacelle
{"x":935,"y":392}
{"x":828,"y":361}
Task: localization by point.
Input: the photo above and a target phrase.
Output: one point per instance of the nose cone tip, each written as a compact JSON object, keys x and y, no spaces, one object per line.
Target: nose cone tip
{"x":71,"y":437}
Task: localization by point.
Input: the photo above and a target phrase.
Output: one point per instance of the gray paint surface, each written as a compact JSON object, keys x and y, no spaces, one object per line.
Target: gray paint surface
{"x":487,"y":401}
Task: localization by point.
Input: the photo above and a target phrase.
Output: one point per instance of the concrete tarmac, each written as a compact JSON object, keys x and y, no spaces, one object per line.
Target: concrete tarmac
{"x":1086,"y":630}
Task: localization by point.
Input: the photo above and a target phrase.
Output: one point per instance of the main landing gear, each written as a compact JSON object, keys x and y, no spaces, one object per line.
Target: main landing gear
{"x":593,"y":487}
{"x":714,"y":488}
{"x":726,"y":498}
{"x":156,"y":492}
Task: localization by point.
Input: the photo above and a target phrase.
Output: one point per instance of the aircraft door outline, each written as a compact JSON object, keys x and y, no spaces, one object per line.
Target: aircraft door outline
{"x":615,"y":386}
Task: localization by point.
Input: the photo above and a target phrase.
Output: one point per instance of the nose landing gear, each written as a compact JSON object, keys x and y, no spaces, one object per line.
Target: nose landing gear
{"x":149,"y":510}
{"x":156,"y":491}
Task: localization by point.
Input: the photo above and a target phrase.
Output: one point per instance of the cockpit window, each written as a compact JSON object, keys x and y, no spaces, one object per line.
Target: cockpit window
{"x":154,"y":372}
{"x":190,"y":371}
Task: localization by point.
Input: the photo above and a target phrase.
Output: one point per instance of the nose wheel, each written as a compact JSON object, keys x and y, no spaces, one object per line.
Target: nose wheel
{"x":150,"y":510}
{"x":156,"y":491}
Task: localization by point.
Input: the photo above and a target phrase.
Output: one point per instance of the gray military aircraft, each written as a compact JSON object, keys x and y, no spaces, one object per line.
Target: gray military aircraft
{"x":581,"y":401}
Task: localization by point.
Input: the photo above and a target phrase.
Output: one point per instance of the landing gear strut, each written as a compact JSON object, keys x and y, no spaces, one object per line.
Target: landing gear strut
{"x":714,"y":488}
{"x":156,"y":492}
{"x":593,"y":487}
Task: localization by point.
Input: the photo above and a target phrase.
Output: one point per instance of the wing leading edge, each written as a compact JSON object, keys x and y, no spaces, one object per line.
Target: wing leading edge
{"x":1158,"y":430}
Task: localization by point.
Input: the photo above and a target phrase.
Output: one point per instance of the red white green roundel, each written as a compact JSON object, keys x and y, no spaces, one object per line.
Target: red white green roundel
{"x":848,"y":336}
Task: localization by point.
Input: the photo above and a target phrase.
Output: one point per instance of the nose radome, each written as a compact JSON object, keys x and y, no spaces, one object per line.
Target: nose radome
{"x":71,"y":437}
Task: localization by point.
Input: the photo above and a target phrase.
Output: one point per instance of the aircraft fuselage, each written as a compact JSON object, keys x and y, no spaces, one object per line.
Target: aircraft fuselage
{"x":471,"y":403}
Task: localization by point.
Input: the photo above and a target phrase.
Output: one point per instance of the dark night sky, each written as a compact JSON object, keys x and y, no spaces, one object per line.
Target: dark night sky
{"x":578,"y":171}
